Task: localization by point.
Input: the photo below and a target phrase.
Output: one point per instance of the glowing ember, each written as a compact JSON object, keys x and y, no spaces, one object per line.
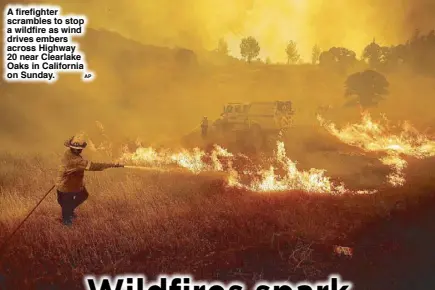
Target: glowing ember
{"x":376,"y":137}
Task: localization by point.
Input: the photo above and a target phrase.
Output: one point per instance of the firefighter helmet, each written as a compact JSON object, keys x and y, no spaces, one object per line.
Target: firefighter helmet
{"x":76,"y":142}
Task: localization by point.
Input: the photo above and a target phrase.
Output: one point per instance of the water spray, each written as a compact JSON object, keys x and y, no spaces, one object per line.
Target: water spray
{"x":158,"y":169}
{"x":178,"y":170}
{"x":147,"y":168}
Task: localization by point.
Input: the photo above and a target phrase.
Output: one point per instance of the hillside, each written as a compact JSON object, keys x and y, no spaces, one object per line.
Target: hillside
{"x":161,"y":93}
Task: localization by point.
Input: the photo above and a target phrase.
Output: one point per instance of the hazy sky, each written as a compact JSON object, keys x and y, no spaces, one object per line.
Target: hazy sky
{"x":200,"y":23}
{"x":122,"y":94}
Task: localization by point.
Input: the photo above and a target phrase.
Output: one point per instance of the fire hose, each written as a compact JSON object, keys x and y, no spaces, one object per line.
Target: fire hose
{"x":5,"y":243}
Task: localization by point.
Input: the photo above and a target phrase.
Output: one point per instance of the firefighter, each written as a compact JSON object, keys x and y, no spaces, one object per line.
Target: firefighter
{"x":71,"y":191}
{"x":204,"y":127}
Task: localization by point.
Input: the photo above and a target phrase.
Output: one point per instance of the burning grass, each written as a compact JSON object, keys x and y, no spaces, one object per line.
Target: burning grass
{"x":213,"y":213}
{"x":161,"y":223}
{"x":277,"y":173}
{"x":395,"y":142}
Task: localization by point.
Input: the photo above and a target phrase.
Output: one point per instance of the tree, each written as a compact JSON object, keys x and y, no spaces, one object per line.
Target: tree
{"x":377,"y":56}
{"x":249,"y":48}
{"x":268,"y":60}
{"x":369,"y":87}
{"x":372,"y":54}
{"x":398,"y":54}
{"x":421,"y":49}
{"x":315,"y":54}
{"x":327,"y":59}
{"x":292,"y":53}
{"x":222,"y":47}
{"x":338,"y":58}
{"x":418,"y":53}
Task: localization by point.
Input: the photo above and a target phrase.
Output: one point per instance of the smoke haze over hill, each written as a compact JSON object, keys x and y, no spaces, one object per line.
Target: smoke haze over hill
{"x":200,"y":24}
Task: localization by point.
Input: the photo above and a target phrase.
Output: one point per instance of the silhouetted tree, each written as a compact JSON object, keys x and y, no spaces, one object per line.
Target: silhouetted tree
{"x":327,"y":59}
{"x":369,"y":87}
{"x":338,"y":58}
{"x":268,"y":60}
{"x":292,"y":52}
{"x":249,"y":48}
{"x":421,"y":53}
{"x":398,"y":54}
{"x":315,"y":54}
{"x":222,"y":47}
{"x":418,"y":53}
{"x":377,"y":56}
{"x":372,"y":54}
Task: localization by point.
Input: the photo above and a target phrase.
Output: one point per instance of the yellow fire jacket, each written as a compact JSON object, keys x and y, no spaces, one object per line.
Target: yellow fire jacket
{"x":72,"y":171}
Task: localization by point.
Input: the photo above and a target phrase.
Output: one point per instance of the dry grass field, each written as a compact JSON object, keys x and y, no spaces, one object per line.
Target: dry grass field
{"x":154,"y":223}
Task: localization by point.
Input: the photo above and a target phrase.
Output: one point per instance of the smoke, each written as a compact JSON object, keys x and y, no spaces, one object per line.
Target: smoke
{"x":199,"y":24}
{"x":141,"y":91}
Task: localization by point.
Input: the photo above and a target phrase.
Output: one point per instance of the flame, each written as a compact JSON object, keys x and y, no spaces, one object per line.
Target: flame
{"x":372,"y":136}
{"x":280,"y":174}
